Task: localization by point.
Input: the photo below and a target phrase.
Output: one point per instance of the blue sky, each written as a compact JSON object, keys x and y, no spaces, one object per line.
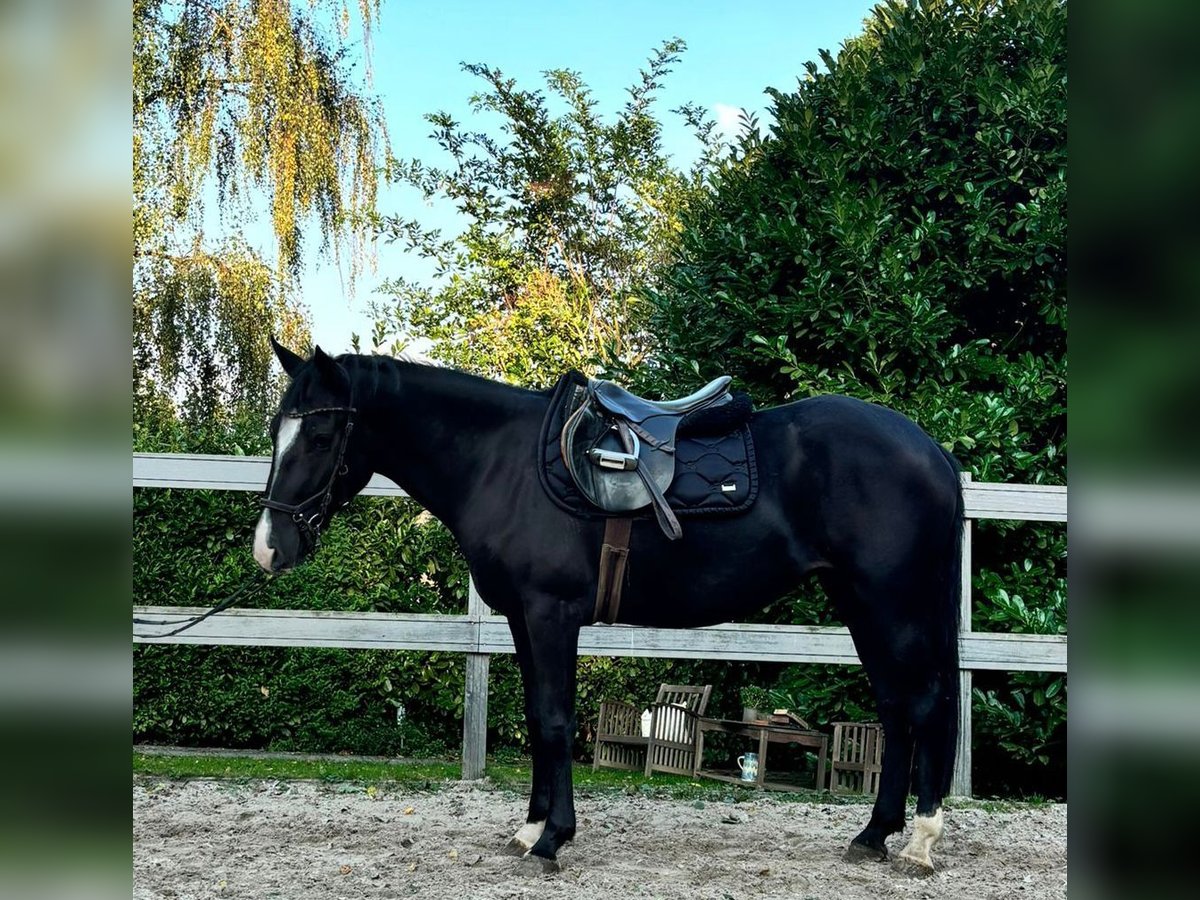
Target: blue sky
{"x":734,"y":52}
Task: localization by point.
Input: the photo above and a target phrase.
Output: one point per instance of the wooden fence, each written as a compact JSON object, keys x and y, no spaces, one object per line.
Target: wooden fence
{"x":479,"y":634}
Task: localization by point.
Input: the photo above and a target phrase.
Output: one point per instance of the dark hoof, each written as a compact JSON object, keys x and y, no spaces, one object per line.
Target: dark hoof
{"x":514,"y":848}
{"x":857,"y":853}
{"x":531,"y":866}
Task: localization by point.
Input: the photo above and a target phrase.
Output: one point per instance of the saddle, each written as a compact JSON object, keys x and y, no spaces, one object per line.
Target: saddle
{"x":605,"y":453}
{"x":620,"y":448}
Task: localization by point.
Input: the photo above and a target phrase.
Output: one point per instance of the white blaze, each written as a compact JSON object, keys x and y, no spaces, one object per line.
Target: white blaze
{"x":263,"y":551}
{"x":289,"y":430}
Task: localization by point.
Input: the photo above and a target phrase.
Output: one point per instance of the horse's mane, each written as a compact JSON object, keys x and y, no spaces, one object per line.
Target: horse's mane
{"x":376,"y":375}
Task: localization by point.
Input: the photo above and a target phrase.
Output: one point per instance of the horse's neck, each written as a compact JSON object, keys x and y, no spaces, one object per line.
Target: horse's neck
{"x":437,"y":432}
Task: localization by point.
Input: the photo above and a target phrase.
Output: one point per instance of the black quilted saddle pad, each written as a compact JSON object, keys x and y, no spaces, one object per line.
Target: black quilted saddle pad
{"x":715,"y":472}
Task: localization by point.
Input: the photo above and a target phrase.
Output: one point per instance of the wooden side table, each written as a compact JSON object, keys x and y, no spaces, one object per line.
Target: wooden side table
{"x":765,"y":735}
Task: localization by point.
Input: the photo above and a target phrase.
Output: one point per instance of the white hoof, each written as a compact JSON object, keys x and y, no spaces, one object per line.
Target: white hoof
{"x":927,"y":831}
{"x":527,"y":835}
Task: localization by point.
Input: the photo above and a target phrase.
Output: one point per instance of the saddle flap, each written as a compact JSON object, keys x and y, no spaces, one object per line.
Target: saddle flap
{"x":588,"y":439}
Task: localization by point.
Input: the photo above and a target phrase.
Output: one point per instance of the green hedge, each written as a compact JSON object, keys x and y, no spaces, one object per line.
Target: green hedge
{"x":191,"y":546}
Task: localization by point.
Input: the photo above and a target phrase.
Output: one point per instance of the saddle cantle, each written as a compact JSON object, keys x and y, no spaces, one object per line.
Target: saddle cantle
{"x":620,"y":449}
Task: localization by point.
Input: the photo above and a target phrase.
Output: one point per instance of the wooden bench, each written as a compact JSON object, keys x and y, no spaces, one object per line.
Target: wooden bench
{"x":670,"y":745}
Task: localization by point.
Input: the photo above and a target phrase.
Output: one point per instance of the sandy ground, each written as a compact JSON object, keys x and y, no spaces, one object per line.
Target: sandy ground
{"x":300,"y":840}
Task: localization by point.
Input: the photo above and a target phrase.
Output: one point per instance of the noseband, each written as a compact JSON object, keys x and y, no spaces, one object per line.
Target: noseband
{"x":309,"y":515}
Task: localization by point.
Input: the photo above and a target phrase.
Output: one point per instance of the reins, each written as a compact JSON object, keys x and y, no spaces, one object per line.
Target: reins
{"x":241,"y":593}
{"x":308,"y":525}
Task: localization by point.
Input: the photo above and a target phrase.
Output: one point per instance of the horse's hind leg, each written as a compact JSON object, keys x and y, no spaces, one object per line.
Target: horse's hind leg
{"x":854,"y":605}
{"x":887,"y":817}
{"x":935,"y":730}
{"x":915,"y":683}
{"x":909,"y":672}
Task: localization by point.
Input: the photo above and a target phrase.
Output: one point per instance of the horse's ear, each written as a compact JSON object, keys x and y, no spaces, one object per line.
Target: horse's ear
{"x":330,"y":369}
{"x":290,"y":361}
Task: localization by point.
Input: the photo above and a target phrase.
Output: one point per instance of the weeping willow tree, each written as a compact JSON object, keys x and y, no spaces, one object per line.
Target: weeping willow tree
{"x":248,"y":120}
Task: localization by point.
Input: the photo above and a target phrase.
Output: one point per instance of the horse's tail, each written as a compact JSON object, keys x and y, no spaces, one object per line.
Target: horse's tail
{"x":949,"y":614}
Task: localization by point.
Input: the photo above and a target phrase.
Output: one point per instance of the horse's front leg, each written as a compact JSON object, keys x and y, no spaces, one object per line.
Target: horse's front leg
{"x":539,"y":796}
{"x":553,"y":644}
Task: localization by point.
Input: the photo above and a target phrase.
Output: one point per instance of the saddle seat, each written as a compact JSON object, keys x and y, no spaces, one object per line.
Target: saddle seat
{"x":621,"y":402}
{"x":620,"y":448}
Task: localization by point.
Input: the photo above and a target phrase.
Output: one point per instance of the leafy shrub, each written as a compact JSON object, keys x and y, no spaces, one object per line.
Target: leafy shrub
{"x":899,"y":235}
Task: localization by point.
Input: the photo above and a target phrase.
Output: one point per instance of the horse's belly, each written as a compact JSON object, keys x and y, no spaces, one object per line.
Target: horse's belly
{"x":722,"y":576}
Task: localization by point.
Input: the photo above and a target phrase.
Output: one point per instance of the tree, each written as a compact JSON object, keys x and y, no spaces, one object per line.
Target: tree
{"x":233,"y":99}
{"x":202,"y":364}
{"x":900,"y":235}
{"x":565,"y":215}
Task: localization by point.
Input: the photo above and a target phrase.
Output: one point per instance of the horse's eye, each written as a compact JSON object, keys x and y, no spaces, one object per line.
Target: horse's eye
{"x":322,"y":442}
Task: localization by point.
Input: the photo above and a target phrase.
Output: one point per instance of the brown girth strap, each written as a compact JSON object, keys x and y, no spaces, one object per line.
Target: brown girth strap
{"x":614,"y":555}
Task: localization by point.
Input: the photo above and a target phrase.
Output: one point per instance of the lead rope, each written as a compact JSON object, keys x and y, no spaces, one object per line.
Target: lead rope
{"x":246,"y":590}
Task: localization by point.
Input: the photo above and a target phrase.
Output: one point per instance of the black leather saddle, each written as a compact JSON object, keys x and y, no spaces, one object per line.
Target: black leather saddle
{"x":620,"y":448}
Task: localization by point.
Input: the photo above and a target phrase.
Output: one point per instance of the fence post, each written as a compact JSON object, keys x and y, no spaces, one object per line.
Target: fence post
{"x":960,"y":786}
{"x":475,"y":701}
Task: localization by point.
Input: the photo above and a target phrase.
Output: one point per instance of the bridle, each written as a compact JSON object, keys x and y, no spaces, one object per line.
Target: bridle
{"x":309,"y":515}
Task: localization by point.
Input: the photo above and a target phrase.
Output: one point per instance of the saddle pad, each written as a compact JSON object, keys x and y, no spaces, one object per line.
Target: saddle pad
{"x":715,"y":473}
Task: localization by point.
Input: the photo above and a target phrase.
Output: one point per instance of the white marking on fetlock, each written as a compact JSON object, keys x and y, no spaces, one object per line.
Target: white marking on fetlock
{"x":927,"y":831}
{"x":527,"y":835}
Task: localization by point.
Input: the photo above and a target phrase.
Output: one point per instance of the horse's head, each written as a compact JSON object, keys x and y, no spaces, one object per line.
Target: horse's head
{"x":318,"y":464}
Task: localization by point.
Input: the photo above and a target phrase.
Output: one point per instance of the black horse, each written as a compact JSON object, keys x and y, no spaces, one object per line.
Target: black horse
{"x":851,"y":491}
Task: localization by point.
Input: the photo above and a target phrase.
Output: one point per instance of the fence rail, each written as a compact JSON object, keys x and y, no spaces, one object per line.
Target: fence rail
{"x":983,"y":500}
{"x":480,"y":635}
{"x":489,"y":635}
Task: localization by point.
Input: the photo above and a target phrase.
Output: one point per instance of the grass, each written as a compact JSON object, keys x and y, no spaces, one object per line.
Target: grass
{"x":248,"y":768}
{"x":505,"y":775}
{"x":500,"y":775}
